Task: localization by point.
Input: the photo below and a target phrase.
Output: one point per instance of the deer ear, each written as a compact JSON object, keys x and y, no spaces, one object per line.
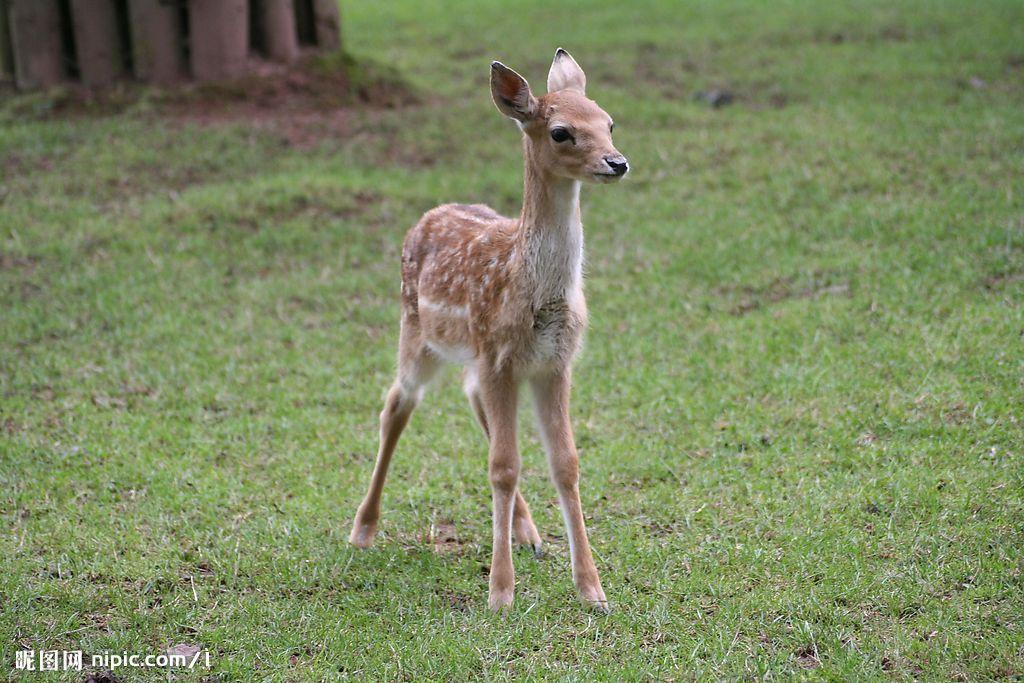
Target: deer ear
{"x":511,"y":93}
{"x":566,"y":74}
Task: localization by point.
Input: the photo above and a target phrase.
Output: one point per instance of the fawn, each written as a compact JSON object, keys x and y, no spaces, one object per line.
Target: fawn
{"x":504,"y":298}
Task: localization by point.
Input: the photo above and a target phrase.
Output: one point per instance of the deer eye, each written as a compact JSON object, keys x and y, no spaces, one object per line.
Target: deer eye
{"x":560,"y":134}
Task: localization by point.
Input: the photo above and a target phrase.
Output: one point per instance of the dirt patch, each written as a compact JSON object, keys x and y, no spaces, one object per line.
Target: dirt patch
{"x":659,"y":529}
{"x":443,"y":538}
{"x":822,"y":284}
{"x":807,"y":657}
{"x":866,"y":439}
{"x":456,"y":601}
{"x":24,"y":264}
{"x":303,"y":654}
{"x":891,"y":33}
{"x":673,"y":77}
{"x":17,"y":165}
{"x":669,"y":77}
{"x":958,"y":414}
{"x":1002,"y":280}
{"x":10,"y":427}
{"x":320,"y":207}
{"x":303,"y":103}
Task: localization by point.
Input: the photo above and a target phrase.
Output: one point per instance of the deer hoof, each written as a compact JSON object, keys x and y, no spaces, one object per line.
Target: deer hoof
{"x":500,"y":601}
{"x":362,"y":535}
{"x":593,"y":597}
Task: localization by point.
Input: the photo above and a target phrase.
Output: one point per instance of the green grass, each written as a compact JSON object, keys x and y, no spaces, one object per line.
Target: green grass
{"x":799,"y":409}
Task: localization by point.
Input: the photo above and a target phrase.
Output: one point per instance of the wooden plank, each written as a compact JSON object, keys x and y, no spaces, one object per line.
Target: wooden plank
{"x":6,"y":53}
{"x":280,"y":34}
{"x":219,"y":38}
{"x":97,"y":42}
{"x":328,"y":24}
{"x":36,"y":43}
{"x":157,"y":51}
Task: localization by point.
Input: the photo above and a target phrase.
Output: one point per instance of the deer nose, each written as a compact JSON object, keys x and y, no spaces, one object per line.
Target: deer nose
{"x":618,"y":164}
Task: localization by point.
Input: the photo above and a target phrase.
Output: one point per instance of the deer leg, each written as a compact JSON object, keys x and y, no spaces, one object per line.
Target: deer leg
{"x":523,"y":528}
{"x":402,"y":398}
{"x":551,"y":394}
{"x":499,"y":400}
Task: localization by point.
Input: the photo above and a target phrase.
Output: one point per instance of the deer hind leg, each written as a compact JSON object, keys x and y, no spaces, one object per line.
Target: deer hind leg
{"x":498,"y":396}
{"x":416,"y":365}
{"x":551,"y":394}
{"x":523,"y":528}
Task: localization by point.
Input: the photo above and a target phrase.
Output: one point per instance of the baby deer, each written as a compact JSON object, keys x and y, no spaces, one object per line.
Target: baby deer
{"x":504,"y":298}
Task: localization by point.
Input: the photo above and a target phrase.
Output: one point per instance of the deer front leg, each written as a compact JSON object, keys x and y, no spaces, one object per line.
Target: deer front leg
{"x":523,"y":529}
{"x":551,"y":394}
{"x":499,"y":400}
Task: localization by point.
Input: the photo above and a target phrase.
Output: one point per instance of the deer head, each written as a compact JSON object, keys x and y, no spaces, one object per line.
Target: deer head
{"x":567,"y":134}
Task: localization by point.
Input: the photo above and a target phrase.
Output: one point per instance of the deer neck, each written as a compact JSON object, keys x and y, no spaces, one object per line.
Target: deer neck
{"x":551,"y":233}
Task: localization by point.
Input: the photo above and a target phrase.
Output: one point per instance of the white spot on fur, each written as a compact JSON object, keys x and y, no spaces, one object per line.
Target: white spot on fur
{"x":444,"y":309}
{"x":460,"y":355}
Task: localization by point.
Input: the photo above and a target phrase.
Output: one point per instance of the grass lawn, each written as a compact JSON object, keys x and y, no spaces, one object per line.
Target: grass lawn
{"x":799,"y":409}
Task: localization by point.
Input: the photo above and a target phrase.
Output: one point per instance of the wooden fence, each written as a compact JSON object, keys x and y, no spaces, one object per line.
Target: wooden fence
{"x":98,"y":42}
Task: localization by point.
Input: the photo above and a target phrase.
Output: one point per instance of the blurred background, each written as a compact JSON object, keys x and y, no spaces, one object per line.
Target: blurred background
{"x":798,"y":409}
